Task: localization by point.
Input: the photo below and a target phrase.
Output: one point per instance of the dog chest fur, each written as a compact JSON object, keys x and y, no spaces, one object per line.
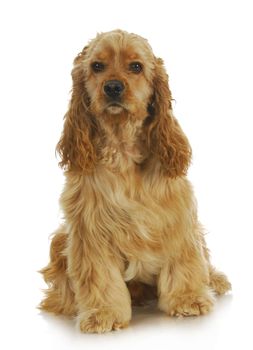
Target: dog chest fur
{"x":136,"y":219}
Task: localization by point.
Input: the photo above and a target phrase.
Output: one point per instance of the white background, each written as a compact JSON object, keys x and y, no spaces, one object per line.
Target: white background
{"x":207,"y":48}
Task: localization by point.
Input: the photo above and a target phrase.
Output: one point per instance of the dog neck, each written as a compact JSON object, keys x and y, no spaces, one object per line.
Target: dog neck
{"x":122,"y":142}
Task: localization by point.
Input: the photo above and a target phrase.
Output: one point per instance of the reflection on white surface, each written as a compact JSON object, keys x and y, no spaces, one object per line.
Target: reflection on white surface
{"x":150,"y":328}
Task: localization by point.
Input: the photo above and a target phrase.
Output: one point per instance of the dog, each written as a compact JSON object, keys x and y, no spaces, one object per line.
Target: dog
{"x":131,"y":230}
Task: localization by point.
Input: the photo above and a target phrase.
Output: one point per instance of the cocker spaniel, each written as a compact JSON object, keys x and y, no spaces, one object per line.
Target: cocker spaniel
{"x":130,"y":228}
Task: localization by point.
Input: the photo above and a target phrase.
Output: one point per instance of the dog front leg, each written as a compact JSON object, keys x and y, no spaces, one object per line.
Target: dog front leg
{"x":102,"y":298}
{"x":183,"y":284}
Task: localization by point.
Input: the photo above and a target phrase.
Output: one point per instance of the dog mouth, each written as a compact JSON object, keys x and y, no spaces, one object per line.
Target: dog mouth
{"x":115,"y":107}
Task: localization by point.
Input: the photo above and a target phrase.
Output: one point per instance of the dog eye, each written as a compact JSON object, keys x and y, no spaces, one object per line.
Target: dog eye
{"x":135,"y":67}
{"x":97,"y":67}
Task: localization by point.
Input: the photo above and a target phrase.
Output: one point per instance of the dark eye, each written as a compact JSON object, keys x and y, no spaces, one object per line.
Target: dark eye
{"x":135,"y":67}
{"x":97,"y":67}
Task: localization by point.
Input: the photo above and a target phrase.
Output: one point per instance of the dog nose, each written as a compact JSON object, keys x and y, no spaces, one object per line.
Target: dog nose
{"x":113,"y":88}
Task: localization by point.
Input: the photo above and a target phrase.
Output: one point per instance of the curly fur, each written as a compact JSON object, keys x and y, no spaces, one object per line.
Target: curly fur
{"x":131,"y":228}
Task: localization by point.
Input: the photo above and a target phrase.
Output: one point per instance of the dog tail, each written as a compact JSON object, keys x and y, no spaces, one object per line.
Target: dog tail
{"x":59,"y":297}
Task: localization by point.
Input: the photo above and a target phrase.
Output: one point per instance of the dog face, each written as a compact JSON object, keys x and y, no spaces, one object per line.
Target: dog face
{"x":117,"y":80}
{"x":119,"y":69}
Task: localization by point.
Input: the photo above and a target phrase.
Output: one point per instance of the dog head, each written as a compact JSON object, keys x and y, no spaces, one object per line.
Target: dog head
{"x":117,"y":77}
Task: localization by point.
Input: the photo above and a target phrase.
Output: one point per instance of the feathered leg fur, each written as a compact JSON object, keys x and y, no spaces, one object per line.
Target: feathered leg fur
{"x":188,"y":283}
{"x":59,"y":297}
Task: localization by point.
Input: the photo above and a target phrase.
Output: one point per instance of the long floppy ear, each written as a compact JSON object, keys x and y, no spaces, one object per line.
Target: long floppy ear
{"x":75,"y":146}
{"x":169,"y":143}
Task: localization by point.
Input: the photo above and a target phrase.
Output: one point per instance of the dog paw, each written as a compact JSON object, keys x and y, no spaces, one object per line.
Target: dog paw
{"x":219,"y":282}
{"x":100,"y":321}
{"x":190,"y":305}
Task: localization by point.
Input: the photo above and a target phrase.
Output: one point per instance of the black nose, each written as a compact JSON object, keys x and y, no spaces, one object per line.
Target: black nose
{"x":113,"y":88}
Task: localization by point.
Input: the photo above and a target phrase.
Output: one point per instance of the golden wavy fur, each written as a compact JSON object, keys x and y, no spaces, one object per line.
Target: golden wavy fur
{"x":131,"y":226}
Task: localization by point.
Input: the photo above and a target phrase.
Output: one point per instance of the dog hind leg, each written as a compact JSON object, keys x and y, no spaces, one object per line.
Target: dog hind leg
{"x":59,"y":297}
{"x":218,"y":281}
